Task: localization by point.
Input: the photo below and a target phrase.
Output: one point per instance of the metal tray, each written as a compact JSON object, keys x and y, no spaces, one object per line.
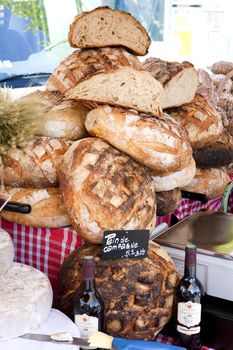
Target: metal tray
{"x":211,"y":232}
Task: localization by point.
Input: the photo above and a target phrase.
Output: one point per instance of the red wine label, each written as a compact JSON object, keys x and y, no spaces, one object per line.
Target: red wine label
{"x":87,"y":325}
{"x":189,"y":317}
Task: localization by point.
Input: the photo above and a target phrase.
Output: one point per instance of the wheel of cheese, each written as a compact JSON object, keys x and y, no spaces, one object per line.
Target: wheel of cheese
{"x":26,"y":299}
{"x":6,"y":251}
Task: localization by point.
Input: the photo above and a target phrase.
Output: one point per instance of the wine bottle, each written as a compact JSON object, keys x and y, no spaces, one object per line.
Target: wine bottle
{"x":88,"y":305}
{"x":188,"y":295}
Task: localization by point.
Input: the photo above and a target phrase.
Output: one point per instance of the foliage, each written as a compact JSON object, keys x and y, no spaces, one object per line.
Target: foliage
{"x":33,"y":10}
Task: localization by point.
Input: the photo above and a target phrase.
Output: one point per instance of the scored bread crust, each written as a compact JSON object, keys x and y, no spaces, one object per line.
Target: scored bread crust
{"x":176,"y":179}
{"x":137,"y":294}
{"x":138,"y":42}
{"x":124,"y":87}
{"x":47,"y":208}
{"x":103,"y":189}
{"x":158,"y":143}
{"x":35,"y":165}
{"x":180,"y":80}
{"x":201,"y":120}
{"x":82,"y":63}
{"x":210,"y":182}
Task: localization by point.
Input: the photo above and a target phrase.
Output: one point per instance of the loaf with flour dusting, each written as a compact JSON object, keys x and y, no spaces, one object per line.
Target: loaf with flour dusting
{"x":47,"y":206}
{"x":158,"y":143}
{"x":35,"y":164}
{"x":104,"y":189}
{"x":82,"y":63}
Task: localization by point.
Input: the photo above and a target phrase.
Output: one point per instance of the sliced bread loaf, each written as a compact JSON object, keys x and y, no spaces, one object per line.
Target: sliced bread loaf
{"x":180,"y":80}
{"x":106,"y":27}
{"x":125,"y":87}
{"x":81,"y":63}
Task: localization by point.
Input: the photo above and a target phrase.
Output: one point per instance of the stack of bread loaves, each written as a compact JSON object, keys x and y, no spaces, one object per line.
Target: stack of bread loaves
{"x":211,"y":143}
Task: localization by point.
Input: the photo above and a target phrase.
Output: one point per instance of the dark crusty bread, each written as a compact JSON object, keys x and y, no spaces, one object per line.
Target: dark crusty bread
{"x":34,"y":165}
{"x":210,"y":182}
{"x":217,"y":154}
{"x":82,"y":63}
{"x":124,"y":87}
{"x":201,"y":120}
{"x":137,"y":294}
{"x":159,"y":143}
{"x":168,"y":201}
{"x":47,"y":206}
{"x":104,"y":189}
{"x":106,"y":27}
{"x":180,"y":80}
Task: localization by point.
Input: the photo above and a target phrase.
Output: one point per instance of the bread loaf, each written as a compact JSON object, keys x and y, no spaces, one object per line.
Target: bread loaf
{"x":35,"y":164}
{"x":168,"y":201}
{"x":200,"y":119}
{"x":47,"y":206}
{"x":65,"y":120}
{"x":176,"y":179}
{"x":137,"y":294}
{"x":221,"y":67}
{"x":210,"y":182}
{"x":217,"y":154}
{"x":125,"y":87}
{"x":106,"y":27}
{"x":159,"y":143}
{"x":82,"y":63}
{"x":103,"y":189}
{"x":180,"y":80}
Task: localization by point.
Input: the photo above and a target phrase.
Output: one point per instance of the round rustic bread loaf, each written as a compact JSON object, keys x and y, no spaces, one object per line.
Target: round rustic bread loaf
{"x":169,"y":181}
{"x":168,"y":201}
{"x":159,"y":143}
{"x":65,"y":120}
{"x":210,"y":182}
{"x":104,"y":189}
{"x":200,"y":119}
{"x":47,"y":206}
{"x":137,"y":294}
{"x":82,"y":63}
{"x":35,"y":164}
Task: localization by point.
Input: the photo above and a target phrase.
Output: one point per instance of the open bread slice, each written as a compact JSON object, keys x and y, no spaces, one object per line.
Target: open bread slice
{"x":180,"y":80}
{"x":125,"y":87}
{"x":106,"y":27}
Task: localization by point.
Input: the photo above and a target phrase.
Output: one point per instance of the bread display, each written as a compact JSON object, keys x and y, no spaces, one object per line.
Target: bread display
{"x":65,"y":120}
{"x":217,"y":154}
{"x":170,"y":181}
{"x":121,"y":87}
{"x":159,"y":143}
{"x":180,"y":80}
{"x":210,"y":182}
{"x":168,"y":201}
{"x":47,"y":206}
{"x":103,"y":189}
{"x":35,"y":164}
{"x":200,"y":119}
{"x":221,"y":67}
{"x":82,"y":63}
{"x":46,"y":99}
{"x":106,"y":27}
{"x":137,"y":294}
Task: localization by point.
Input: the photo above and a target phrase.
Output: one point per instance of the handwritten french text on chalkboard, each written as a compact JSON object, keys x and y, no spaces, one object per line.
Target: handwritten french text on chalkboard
{"x":125,"y":244}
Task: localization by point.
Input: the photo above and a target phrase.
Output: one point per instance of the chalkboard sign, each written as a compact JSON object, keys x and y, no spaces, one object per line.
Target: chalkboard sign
{"x":125,"y":244}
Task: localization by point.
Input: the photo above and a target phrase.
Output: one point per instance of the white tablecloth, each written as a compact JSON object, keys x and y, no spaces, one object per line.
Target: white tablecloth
{"x":56,"y":322}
